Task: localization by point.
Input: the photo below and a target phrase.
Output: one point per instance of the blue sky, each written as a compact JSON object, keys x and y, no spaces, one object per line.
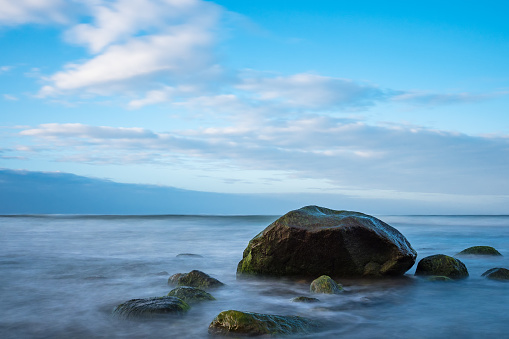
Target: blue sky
{"x":382,"y":101}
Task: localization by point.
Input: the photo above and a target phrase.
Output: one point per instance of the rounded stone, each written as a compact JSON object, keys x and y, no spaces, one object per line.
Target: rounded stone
{"x":151,"y":307}
{"x":194,"y":278}
{"x":480,"y":250}
{"x":190,"y":294}
{"x":325,"y":285}
{"x":497,"y":273}
{"x":441,"y":265}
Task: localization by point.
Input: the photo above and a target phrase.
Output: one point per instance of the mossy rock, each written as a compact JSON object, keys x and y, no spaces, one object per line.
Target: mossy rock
{"x":303,"y":299}
{"x":190,"y":294}
{"x":480,"y":250}
{"x":326,"y":285}
{"x":438,"y":278}
{"x":335,"y":243}
{"x":236,"y":323}
{"x":441,"y":265}
{"x":151,"y":307}
{"x":497,"y":273}
{"x":194,"y":278}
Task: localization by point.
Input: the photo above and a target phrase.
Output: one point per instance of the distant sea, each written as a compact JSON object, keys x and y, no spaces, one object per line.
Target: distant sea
{"x":61,"y":277}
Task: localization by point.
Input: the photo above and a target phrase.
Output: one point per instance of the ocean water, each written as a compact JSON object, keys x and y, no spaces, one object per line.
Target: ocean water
{"x":61,"y":277}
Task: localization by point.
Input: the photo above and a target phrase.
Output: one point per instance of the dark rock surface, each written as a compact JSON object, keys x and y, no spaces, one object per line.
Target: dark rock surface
{"x":441,"y":265}
{"x":326,"y":285}
{"x":303,"y":299}
{"x":236,"y":323}
{"x":151,"y":307}
{"x":190,"y":294}
{"x":480,"y":250}
{"x":497,"y":273}
{"x":335,"y":243}
{"x":194,"y":278}
{"x":189,"y":255}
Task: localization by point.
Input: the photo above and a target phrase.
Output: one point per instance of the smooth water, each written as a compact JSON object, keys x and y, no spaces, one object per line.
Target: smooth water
{"x":61,"y":277}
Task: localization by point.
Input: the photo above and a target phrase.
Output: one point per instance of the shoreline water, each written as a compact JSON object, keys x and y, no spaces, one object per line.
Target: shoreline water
{"x":63,"y":275}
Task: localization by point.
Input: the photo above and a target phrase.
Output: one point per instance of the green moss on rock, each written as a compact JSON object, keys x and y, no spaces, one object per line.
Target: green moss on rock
{"x":326,"y":285}
{"x":480,"y":250}
{"x":190,"y":294}
{"x":151,"y":307}
{"x":438,"y":278}
{"x":194,"y":278}
{"x":252,"y":324}
{"x":497,"y":273}
{"x":441,"y":265}
{"x":303,"y":299}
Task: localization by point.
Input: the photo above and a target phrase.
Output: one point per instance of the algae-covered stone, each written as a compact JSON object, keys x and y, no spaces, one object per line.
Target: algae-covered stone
{"x":480,"y":250}
{"x":497,"y":273}
{"x":326,"y":285}
{"x":438,"y":278}
{"x":190,"y":294}
{"x":303,"y":299}
{"x":151,"y":307}
{"x":442,"y":265}
{"x":252,"y":324}
{"x":313,"y":240}
{"x":194,"y":278}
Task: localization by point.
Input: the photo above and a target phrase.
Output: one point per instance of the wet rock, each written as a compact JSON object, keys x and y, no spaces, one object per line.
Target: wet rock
{"x":189,"y":255}
{"x":497,"y":273}
{"x":438,"y":278}
{"x":335,"y":243}
{"x":326,"y":285}
{"x":190,"y":294}
{"x":254,"y":324}
{"x":303,"y":299}
{"x":480,"y":250}
{"x":441,"y":265}
{"x":194,"y":278}
{"x":151,"y":307}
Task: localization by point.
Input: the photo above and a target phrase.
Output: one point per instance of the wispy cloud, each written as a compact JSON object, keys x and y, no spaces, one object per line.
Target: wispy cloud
{"x":29,"y":11}
{"x":10,"y":97}
{"x":439,"y":99}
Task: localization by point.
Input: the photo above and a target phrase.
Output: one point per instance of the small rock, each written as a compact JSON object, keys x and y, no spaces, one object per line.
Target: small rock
{"x":253,"y":324}
{"x":189,"y":255}
{"x":441,"y":265}
{"x":325,"y":284}
{"x":194,"y":278}
{"x":480,"y":250}
{"x":303,"y":299}
{"x":497,"y":273}
{"x":151,"y":307}
{"x":190,"y":294}
{"x":438,"y":278}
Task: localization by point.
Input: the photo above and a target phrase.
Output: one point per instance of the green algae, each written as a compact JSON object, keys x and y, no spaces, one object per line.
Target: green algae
{"x":480,"y":250}
{"x":441,"y":265}
{"x":325,"y":285}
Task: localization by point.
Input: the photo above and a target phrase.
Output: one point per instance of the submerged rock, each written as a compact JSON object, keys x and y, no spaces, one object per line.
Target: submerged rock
{"x":497,"y":273}
{"x":189,"y":255}
{"x":252,"y":324}
{"x":151,"y":307}
{"x":335,"y":243}
{"x":190,"y":294}
{"x":438,"y":278}
{"x":194,"y":278}
{"x":480,"y":250}
{"x":326,"y":285}
{"x":442,"y":265}
{"x":303,"y":299}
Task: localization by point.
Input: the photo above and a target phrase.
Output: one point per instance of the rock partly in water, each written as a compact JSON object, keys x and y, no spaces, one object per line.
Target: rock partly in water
{"x":151,"y":307}
{"x":480,"y":250}
{"x":441,"y":265}
{"x":252,"y":324}
{"x":335,"y":243}
{"x":438,"y":278}
{"x":303,"y":299}
{"x":189,"y":255}
{"x":190,"y":294}
{"x":194,"y":278}
{"x":326,"y":285}
{"x":497,"y":273}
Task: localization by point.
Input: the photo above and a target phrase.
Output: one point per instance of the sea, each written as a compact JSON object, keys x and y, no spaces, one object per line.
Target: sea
{"x":62,"y":275}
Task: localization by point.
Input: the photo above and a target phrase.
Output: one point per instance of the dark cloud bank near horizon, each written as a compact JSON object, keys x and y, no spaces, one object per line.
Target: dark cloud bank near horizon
{"x":27,"y":192}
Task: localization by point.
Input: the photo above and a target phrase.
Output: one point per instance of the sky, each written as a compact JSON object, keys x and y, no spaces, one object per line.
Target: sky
{"x":394,"y":103}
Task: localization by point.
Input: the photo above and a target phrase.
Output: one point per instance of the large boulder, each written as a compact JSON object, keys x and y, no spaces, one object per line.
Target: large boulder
{"x":314,"y":241}
{"x":151,"y":307}
{"x":480,"y":250}
{"x":253,"y":324}
{"x":441,"y":265}
{"x":194,"y":278}
{"x":497,"y":273}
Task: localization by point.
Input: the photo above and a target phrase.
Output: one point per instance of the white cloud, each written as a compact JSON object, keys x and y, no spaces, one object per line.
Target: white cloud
{"x":439,"y":99}
{"x":10,"y":97}
{"x":347,"y":153}
{"x":14,"y":12}
{"x":138,"y":40}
